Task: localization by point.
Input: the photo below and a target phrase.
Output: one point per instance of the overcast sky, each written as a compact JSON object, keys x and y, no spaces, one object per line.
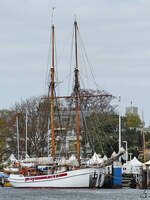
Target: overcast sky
{"x":116,"y":34}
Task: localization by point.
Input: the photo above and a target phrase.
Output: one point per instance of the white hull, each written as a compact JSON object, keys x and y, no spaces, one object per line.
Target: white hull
{"x":81,"y":178}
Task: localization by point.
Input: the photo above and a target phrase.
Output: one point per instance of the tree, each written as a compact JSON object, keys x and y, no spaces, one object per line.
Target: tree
{"x":4,"y":132}
{"x":133,"y":121}
{"x":132,"y":133}
{"x":99,"y":122}
{"x":97,"y":117}
{"x":103,"y":132}
{"x":37,"y":113}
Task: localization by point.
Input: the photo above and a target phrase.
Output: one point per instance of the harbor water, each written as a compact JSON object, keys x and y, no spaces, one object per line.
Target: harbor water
{"x":50,"y":194}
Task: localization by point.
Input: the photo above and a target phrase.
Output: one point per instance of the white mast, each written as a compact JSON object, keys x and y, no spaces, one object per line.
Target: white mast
{"x":26,"y":152}
{"x":17,"y":136}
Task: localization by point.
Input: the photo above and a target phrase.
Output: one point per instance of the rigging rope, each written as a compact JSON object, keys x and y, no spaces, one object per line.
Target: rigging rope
{"x":88,"y":62}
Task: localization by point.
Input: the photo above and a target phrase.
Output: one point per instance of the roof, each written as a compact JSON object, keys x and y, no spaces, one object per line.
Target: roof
{"x":134,"y":163}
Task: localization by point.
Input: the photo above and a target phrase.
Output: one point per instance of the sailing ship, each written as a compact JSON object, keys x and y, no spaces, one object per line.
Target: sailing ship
{"x":62,"y":174}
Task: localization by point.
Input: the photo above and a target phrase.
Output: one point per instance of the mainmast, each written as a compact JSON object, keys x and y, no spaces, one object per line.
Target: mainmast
{"x":76,"y":95}
{"x":76,"y":90}
{"x":52,"y":85}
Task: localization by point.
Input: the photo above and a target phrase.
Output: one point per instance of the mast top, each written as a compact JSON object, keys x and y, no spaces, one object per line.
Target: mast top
{"x":75,"y":19}
{"x":52,"y":17}
{"x":75,"y":22}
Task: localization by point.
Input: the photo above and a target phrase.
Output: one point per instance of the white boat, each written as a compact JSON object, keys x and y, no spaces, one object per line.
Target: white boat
{"x":80,"y":178}
{"x":64,"y":175}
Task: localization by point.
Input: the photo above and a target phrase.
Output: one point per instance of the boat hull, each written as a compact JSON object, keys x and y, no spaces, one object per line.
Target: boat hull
{"x":81,"y":178}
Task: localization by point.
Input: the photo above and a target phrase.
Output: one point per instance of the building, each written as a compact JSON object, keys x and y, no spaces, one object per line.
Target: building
{"x":132,"y":110}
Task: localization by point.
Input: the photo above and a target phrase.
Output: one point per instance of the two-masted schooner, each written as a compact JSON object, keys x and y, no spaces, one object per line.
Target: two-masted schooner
{"x":62,"y":174}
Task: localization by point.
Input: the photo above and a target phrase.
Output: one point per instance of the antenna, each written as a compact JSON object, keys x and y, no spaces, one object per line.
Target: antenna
{"x":52,"y":17}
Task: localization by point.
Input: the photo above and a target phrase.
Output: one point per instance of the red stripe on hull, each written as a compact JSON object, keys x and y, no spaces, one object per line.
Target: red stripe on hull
{"x":45,"y":177}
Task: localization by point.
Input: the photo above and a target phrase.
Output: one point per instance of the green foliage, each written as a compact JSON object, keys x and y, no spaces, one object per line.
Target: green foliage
{"x":103,"y":132}
{"x":132,"y":134}
{"x":148,"y":143}
{"x":3,"y":121}
{"x":134,"y":150}
{"x":133,"y":137}
{"x":132,"y":121}
{"x":2,"y":147}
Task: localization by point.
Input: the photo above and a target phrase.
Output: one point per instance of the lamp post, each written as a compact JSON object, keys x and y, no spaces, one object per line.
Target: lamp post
{"x":126,"y":150}
{"x":119,"y":124}
{"x":119,"y":127}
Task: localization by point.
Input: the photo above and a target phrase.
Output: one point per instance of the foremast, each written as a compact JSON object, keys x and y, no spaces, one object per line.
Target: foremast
{"x":52,"y":85}
{"x":76,"y":91}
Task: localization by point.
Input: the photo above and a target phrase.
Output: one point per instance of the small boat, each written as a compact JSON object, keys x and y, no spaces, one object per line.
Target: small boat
{"x":7,"y":184}
{"x":4,"y":182}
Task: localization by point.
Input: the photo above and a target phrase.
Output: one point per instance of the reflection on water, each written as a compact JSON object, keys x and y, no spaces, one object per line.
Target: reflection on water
{"x":49,"y":194}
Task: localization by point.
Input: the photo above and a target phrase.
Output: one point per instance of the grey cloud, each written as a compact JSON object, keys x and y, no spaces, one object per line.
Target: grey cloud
{"x":115,"y":33}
